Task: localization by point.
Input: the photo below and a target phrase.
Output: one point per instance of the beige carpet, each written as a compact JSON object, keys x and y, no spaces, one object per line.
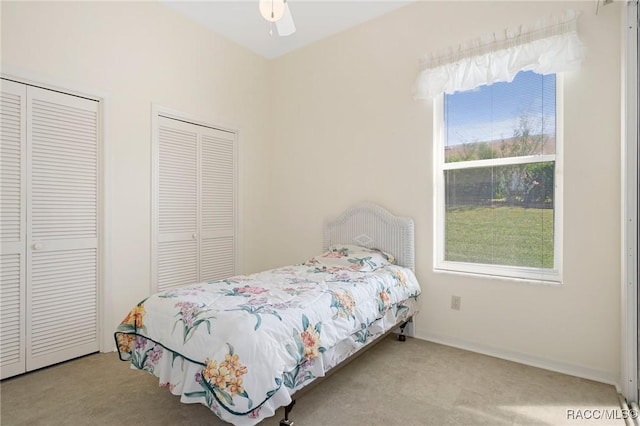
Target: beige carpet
{"x":410,"y":383}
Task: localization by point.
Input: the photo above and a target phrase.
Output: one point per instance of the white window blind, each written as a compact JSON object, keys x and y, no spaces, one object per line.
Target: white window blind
{"x":498,"y":198}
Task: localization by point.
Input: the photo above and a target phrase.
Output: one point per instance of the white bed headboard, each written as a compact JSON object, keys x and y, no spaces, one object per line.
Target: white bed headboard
{"x":369,"y":225}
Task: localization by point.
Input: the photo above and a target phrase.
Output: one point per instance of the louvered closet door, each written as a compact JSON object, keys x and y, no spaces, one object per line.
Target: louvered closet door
{"x":12,"y":228}
{"x":62,"y":236}
{"x":217,"y":231}
{"x":194,"y":204}
{"x":177,"y":208}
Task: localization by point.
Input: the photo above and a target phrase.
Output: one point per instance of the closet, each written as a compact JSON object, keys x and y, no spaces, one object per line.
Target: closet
{"x":49,"y":222}
{"x":194,"y":204}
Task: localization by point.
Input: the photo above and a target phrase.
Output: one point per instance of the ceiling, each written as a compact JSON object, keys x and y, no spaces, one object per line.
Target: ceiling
{"x":240,"y":20}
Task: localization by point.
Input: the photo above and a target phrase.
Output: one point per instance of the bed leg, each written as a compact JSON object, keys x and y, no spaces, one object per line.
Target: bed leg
{"x":287,"y":410}
{"x":401,"y":336}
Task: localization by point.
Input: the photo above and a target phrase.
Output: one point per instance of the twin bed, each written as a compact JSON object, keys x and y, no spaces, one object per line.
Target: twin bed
{"x":247,"y":345}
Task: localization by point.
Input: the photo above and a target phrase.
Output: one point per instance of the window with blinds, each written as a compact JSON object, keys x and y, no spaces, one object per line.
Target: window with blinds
{"x":498,"y":179}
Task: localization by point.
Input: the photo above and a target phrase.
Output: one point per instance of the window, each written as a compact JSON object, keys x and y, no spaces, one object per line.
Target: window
{"x":498,"y":199}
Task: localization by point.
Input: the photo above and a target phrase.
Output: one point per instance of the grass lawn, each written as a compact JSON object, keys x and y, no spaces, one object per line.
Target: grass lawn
{"x":512,"y":236}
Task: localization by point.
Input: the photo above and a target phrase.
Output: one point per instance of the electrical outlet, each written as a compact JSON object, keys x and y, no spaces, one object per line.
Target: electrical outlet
{"x":455,"y":302}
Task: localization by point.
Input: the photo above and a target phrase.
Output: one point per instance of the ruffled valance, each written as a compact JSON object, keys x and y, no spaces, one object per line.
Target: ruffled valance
{"x":547,"y":47}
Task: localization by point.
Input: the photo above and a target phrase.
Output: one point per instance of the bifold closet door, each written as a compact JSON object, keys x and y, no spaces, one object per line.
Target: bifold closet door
{"x":177,"y":204}
{"x":217,"y":230}
{"x":12,"y":228}
{"x":62,"y":227}
{"x":49,"y":225}
{"x":194,"y":204}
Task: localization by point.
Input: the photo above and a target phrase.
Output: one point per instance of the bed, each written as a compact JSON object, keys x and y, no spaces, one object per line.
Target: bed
{"x":247,"y":345}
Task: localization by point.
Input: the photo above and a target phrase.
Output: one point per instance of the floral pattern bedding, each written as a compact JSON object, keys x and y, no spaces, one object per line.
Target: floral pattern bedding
{"x":243,"y":345}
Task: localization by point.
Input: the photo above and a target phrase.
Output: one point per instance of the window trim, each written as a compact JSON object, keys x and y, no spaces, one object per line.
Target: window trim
{"x":519,"y":273}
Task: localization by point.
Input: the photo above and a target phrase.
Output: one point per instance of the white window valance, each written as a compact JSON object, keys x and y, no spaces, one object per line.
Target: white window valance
{"x":548,"y":46}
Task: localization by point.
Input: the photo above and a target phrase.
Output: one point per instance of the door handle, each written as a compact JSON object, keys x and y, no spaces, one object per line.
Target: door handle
{"x":37,"y":246}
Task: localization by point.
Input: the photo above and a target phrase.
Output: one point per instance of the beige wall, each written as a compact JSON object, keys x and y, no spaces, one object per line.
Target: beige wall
{"x":347,"y":130}
{"x":139,"y":53}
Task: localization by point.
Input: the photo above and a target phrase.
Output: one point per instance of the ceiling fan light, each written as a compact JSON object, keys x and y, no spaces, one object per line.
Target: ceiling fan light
{"x":272,"y":10}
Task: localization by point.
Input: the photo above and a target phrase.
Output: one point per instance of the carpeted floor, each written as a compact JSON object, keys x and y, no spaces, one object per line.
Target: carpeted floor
{"x":410,"y":383}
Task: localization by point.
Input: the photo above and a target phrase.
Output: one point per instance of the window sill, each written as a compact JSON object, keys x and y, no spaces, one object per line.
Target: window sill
{"x":501,"y":273}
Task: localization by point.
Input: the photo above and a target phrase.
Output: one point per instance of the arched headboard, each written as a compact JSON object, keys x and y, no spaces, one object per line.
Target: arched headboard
{"x":371,"y":226}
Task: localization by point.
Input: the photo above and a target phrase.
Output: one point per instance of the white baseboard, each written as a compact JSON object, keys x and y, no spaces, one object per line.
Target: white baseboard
{"x":534,"y":361}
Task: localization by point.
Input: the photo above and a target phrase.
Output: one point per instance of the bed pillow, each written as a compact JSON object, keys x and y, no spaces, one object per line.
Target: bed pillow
{"x":352,"y":257}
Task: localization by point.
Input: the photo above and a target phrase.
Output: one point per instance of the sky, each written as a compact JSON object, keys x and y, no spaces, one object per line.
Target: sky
{"x":493,"y":112}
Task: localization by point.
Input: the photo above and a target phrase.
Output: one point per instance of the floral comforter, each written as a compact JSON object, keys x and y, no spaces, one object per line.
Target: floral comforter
{"x":251,"y":341}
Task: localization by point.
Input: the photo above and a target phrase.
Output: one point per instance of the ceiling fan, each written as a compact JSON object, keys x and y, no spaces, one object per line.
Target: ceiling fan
{"x":277,"y":11}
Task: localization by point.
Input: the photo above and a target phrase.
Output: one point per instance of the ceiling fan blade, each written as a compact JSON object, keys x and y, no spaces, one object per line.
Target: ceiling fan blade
{"x":285,"y":25}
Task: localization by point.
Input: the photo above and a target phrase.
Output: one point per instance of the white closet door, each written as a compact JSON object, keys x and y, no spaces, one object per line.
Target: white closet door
{"x":177,"y":204}
{"x":12,"y":228}
{"x":217,"y":231}
{"x":62,"y":235}
{"x":195,"y":204}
